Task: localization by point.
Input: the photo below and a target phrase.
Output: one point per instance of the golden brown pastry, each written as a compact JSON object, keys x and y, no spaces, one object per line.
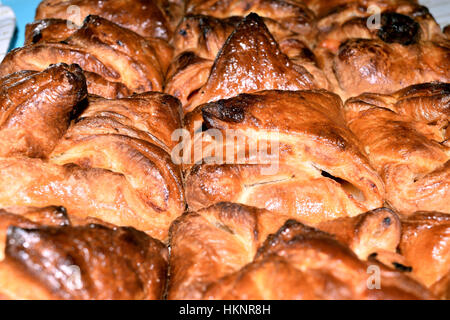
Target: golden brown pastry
{"x":406,"y":48}
{"x":50,"y":30}
{"x":249,"y":61}
{"x":112,"y":164}
{"x":369,"y":233}
{"x":405,"y":135}
{"x":37,"y":107}
{"x":399,"y":21}
{"x":314,"y":173}
{"x":145,"y":17}
{"x":425,"y":244}
{"x":292,"y":15}
{"x":102,"y":49}
{"x":215,"y":255}
{"x":29,"y":217}
{"x":84,"y":262}
{"x":205,"y":35}
{"x":214,"y":242}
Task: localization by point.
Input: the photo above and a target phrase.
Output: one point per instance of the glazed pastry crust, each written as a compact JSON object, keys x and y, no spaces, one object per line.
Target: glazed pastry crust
{"x":135,"y":263}
{"x":250,"y":60}
{"x":425,"y":244}
{"x":113,"y":163}
{"x":369,"y":233}
{"x":297,"y":262}
{"x":292,"y":15}
{"x":405,"y":136}
{"x":214,"y":242}
{"x":321,"y":173}
{"x":137,"y":63}
{"x":37,"y":107}
{"x":149,"y":19}
{"x":406,"y":48}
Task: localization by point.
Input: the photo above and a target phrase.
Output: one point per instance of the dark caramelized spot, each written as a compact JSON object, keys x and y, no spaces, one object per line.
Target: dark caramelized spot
{"x":401,"y":267}
{"x":223,"y":111}
{"x":37,"y":36}
{"x":398,"y":28}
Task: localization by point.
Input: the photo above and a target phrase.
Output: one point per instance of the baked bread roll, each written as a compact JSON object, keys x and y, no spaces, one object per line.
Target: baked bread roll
{"x":217,"y":253}
{"x":148,"y":18}
{"x":362,"y":53}
{"x":113,"y":163}
{"x":46,"y":257}
{"x":126,"y":61}
{"x":314,"y":170}
{"x":405,"y":135}
{"x":250,"y":60}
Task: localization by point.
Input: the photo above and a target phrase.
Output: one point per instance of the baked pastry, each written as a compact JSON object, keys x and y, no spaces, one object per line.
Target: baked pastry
{"x":113,"y":163}
{"x":215,"y":255}
{"x":127,"y":62}
{"x":291,"y":15}
{"x":425,"y":244}
{"x":37,"y":107}
{"x":276,"y":191}
{"x":405,"y":135}
{"x":145,"y":17}
{"x":46,"y":257}
{"x":359,"y":53}
{"x":49,"y":30}
{"x":314,"y":170}
{"x":29,"y":217}
{"x":250,"y":60}
{"x":374,"y":232}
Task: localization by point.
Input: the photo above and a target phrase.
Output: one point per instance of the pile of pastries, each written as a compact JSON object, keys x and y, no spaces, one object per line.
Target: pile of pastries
{"x":356,"y":93}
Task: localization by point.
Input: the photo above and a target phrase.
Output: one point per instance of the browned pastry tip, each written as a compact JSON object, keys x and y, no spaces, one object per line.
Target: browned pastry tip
{"x":203,"y":35}
{"x":103,"y":48}
{"x":292,"y":15}
{"x":48,"y":30}
{"x":250,"y":60}
{"x":405,"y":136}
{"x":147,"y":18}
{"x":425,"y":244}
{"x":368,"y":233}
{"x":37,"y":107}
{"x":86,"y":262}
{"x":319,"y":173}
{"x":297,"y":262}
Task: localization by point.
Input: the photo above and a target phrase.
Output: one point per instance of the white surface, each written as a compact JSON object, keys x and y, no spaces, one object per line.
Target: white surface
{"x":7,"y":27}
{"x":440,"y":9}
